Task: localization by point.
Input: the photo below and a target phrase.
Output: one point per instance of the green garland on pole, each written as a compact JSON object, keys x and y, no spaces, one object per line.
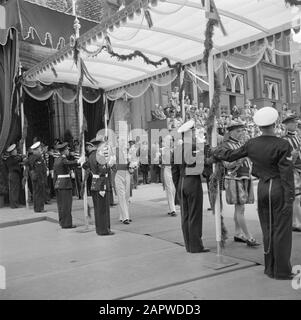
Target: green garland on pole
{"x":211,"y":24}
{"x":217,"y":175}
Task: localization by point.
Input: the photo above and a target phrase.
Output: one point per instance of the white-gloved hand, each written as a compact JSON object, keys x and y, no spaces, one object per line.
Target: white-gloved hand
{"x":81,"y":160}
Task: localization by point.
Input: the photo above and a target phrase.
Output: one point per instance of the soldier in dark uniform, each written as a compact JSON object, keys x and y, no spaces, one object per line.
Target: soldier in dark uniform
{"x":38,"y":173}
{"x":294,"y":140}
{"x":272,"y":164}
{"x":63,"y":185}
{"x":13,"y":164}
{"x":100,"y":187}
{"x":191,"y":192}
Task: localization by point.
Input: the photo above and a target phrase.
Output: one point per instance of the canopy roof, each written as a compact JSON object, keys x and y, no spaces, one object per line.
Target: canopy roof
{"x":38,"y":25}
{"x":178,"y":33}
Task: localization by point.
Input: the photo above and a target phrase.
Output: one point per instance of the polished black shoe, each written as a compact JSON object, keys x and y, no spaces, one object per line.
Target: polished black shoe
{"x":173,"y":214}
{"x":71,"y":227}
{"x":240,"y":239}
{"x":252,"y":243}
{"x":295,"y":229}
{"x":288,"y":277}
{"x":126,"y":221}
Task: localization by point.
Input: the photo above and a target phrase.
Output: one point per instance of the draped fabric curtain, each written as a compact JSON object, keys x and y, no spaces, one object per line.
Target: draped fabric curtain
{"x":137,"y":90}
{"x":94,"y":115}
{"x":66,"y":92}
{"x":8,"y":73}
{"x":137,"y":112}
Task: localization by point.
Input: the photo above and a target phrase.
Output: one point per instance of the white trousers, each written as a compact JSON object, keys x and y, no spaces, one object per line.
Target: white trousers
{"x":169,"y":188}
{"x":123,"y":185}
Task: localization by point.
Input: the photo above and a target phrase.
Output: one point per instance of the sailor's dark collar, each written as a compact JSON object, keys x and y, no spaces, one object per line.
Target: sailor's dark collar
{"x":291,"y":133}
{"x":233,"y":139}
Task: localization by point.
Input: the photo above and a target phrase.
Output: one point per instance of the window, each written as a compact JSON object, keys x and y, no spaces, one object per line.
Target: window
{"x":228,"y":84}
{"x":234,"y":82}
{"x":271,"y":89}
{"x":293,"y":83}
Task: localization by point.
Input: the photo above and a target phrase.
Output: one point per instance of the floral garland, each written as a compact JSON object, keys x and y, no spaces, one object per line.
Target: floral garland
{"x":178,"y":66}
{"x":217,"y":175}
{"x":211,"y":24}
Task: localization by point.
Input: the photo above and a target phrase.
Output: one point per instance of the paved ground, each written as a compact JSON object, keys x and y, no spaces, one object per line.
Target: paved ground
{"x":144,"y":260}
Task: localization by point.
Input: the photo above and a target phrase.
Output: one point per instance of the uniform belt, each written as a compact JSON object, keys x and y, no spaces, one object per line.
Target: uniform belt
{"x":97,"y":176}
{"x":63,"y":176}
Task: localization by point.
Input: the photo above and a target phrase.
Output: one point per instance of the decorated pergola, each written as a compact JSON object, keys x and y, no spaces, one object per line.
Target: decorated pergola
{"x":151,"y":42}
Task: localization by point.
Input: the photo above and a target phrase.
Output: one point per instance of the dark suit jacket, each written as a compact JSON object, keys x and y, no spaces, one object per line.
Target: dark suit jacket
{"x":62,"y":166}
{"x":101,"y":182}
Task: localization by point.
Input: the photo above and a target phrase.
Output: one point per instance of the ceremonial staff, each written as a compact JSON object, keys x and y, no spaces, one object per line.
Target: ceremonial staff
{"x":23,"y":135}
{"x":217,"y":209}
{"x":81,"y":114}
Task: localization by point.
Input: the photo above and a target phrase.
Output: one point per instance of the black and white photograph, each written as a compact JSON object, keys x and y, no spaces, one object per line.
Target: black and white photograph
{"x":150,"y":154}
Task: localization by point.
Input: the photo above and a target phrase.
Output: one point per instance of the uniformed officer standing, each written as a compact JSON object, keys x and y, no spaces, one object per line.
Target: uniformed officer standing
{"x":13,"y":163}
{"x":272,"y":164}
{"x":100,"y":187}
{"x":166,"y":159}
{"x":123,"y":183}
{"x":294,"y":140}
{"x":38,"y":174}
{"x":63,"y":185}
{"x":191,"y":192}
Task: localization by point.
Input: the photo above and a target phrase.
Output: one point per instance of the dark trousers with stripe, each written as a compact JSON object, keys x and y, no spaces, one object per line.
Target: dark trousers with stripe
{"x":276,"y":229}
{"x":38,"y":194}
{"x":64,"y":205}
{"x":101,"y":212}
{"x":192,"y":212}
{"x":14,"y":185}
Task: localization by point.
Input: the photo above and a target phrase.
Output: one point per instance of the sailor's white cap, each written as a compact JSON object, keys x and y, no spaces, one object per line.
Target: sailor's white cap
{"x":265,"y":116}
{"x":35,"y":145}
{"x":11,"y":148}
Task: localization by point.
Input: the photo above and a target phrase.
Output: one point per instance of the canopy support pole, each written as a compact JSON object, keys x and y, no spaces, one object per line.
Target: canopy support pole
{"x":217,"y":209}
{"x":81,"y":126}
{"x":183,"y":95}
{"x":81,"y":119}
{"x":22,"y":130}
